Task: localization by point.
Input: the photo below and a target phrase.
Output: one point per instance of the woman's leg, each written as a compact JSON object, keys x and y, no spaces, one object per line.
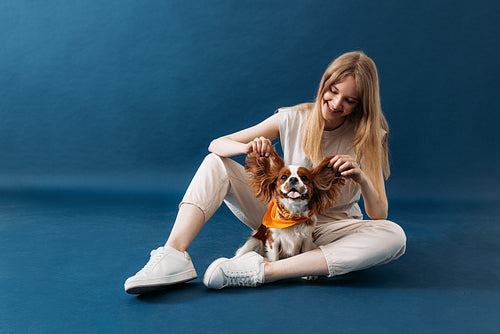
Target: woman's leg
{"x":345,"y":246}
{"x":251,"y":269}
{"x":189,"y":221}
{"x":217,"y":180}
{"x":352,"y":245}
{"x":312,"y":263}
{"x":382,"y":241}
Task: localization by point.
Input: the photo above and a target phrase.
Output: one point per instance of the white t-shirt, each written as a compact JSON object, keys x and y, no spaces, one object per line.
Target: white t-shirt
{"x":334,"y":142}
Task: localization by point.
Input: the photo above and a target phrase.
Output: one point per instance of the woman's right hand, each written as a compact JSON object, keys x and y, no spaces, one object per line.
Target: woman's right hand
{"x":260,"y":146}
{"x":241,"y":142}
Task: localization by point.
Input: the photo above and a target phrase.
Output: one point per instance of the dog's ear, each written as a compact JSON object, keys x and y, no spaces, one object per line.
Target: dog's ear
{"x":263,"y":173}
{"x":327,"y":186}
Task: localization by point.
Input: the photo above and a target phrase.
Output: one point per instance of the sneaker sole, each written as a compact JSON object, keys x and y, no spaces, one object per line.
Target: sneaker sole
{"x":139,"y":287}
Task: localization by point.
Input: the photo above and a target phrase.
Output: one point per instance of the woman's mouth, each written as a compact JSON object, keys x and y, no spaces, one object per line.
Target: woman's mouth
{"x":332,"y":109}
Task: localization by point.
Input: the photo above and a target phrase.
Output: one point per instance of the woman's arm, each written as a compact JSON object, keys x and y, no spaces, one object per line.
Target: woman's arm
{"x":254,"y":139}
{"x":375,"y":205}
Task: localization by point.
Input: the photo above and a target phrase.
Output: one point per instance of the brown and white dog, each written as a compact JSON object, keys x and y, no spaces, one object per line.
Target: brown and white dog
{"x":296,"y":194}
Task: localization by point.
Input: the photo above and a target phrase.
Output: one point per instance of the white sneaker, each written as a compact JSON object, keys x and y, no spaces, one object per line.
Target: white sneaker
{"x":166,"y":266}
{"x":246,"y":270}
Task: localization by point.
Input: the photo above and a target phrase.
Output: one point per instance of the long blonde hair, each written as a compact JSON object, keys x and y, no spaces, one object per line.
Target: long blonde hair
{"x":371,"y":128}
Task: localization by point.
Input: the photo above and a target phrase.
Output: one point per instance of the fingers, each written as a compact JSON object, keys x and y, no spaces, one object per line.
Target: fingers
{"x":344,"y":164}
{"x":261,"y":146}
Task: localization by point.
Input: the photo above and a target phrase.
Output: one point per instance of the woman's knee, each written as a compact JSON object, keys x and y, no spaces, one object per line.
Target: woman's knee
{"x":396,"y":237}
{"x":213,"y":160}
{"x":214,"y":165}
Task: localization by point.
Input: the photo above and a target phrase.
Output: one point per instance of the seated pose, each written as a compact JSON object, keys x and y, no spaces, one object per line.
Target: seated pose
{"x":345,"y":122}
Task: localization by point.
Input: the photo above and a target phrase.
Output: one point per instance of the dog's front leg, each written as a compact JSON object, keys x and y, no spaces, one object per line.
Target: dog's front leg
{"x":273,"y":252}
{"x":252,"y":244}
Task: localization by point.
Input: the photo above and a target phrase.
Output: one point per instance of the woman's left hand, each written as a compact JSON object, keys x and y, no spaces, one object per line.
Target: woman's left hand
{"x":348,"y":167}
{"x":375,"y":205}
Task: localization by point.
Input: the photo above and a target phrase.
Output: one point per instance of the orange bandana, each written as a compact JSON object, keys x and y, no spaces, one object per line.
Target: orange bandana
{"x":276,"y":218}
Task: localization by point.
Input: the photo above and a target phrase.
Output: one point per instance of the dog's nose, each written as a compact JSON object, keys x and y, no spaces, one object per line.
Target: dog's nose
{"x":293,"y":180}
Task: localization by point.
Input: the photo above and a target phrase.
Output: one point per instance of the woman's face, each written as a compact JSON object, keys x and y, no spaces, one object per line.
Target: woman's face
{"x":339,"y":101}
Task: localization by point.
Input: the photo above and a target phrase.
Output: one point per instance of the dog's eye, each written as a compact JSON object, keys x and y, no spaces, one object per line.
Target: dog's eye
{"x":304,"y":178}
{"x":284,"y":177}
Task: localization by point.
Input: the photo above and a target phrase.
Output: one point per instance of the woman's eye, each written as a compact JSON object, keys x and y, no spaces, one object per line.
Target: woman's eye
{"x":284,"y":177}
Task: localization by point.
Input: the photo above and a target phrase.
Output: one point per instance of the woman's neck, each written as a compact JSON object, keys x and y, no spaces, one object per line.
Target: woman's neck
{"x":334,"y":125}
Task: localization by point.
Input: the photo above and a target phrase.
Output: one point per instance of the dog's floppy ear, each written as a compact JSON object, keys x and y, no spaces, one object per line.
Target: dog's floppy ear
{"x":327,"y":185}
{"x":263,"y":174}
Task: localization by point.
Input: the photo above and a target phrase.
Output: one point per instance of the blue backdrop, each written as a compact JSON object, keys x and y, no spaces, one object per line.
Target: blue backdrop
{"x":130,"y":93}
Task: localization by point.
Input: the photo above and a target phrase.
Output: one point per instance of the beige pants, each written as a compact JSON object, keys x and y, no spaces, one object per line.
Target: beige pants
{"x":347,"y":245}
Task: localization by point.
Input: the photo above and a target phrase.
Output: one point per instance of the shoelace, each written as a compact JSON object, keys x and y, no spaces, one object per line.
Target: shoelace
{"x":249,"y":280}
{"x":156,"y":256}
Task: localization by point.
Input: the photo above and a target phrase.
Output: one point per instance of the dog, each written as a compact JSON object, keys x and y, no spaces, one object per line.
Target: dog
{"x":297,"y":195}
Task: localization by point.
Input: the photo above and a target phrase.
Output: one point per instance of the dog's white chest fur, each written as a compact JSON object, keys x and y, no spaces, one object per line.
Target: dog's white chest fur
{"x":279,"y":243}
{"x":290,"y":241}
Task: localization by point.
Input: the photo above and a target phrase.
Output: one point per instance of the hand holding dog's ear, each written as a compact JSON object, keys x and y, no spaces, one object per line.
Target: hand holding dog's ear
{"x":260,"y":146}
{"x":347,"y":166}
{"x":327,"y":185}
{"x":263,"y":172}
{"x":270,"y":164}
{"x":326,"y":175}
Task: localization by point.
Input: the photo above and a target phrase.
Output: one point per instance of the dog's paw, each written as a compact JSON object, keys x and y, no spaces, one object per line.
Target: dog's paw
{"x":310,"y":278}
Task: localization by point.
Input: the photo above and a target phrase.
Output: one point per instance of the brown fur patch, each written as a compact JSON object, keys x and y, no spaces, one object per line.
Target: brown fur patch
{"x":327,"y":186}
{"x":261,"y":233}
{"x":263,"y":174}
{"x":269,"y":237}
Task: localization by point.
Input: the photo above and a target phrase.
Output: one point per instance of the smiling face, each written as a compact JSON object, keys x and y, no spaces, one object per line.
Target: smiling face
{"x":295,"y":183}
{"x":339,"y":100}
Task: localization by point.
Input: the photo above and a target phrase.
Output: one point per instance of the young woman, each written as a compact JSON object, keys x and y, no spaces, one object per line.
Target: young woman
{"x":346,"y":122}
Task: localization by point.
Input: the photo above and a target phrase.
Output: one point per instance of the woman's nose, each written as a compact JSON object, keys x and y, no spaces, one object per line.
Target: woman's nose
{"x":336,"y":103}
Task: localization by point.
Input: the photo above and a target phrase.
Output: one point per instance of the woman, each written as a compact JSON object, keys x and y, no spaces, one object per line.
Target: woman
{"x":346,"y":122}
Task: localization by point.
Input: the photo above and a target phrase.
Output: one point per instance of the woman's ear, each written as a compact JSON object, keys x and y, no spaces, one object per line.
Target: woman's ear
{"x":263,"y":174}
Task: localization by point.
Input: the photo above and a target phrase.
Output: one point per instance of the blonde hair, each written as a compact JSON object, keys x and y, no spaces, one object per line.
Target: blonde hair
{"x":371,"y":128}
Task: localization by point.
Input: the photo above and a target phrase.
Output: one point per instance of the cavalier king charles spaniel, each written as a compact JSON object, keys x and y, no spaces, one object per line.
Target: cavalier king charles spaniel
{"x":296,"y":194}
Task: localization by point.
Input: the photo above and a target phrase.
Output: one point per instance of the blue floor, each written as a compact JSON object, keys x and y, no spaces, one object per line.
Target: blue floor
{"x":64,"y":258}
